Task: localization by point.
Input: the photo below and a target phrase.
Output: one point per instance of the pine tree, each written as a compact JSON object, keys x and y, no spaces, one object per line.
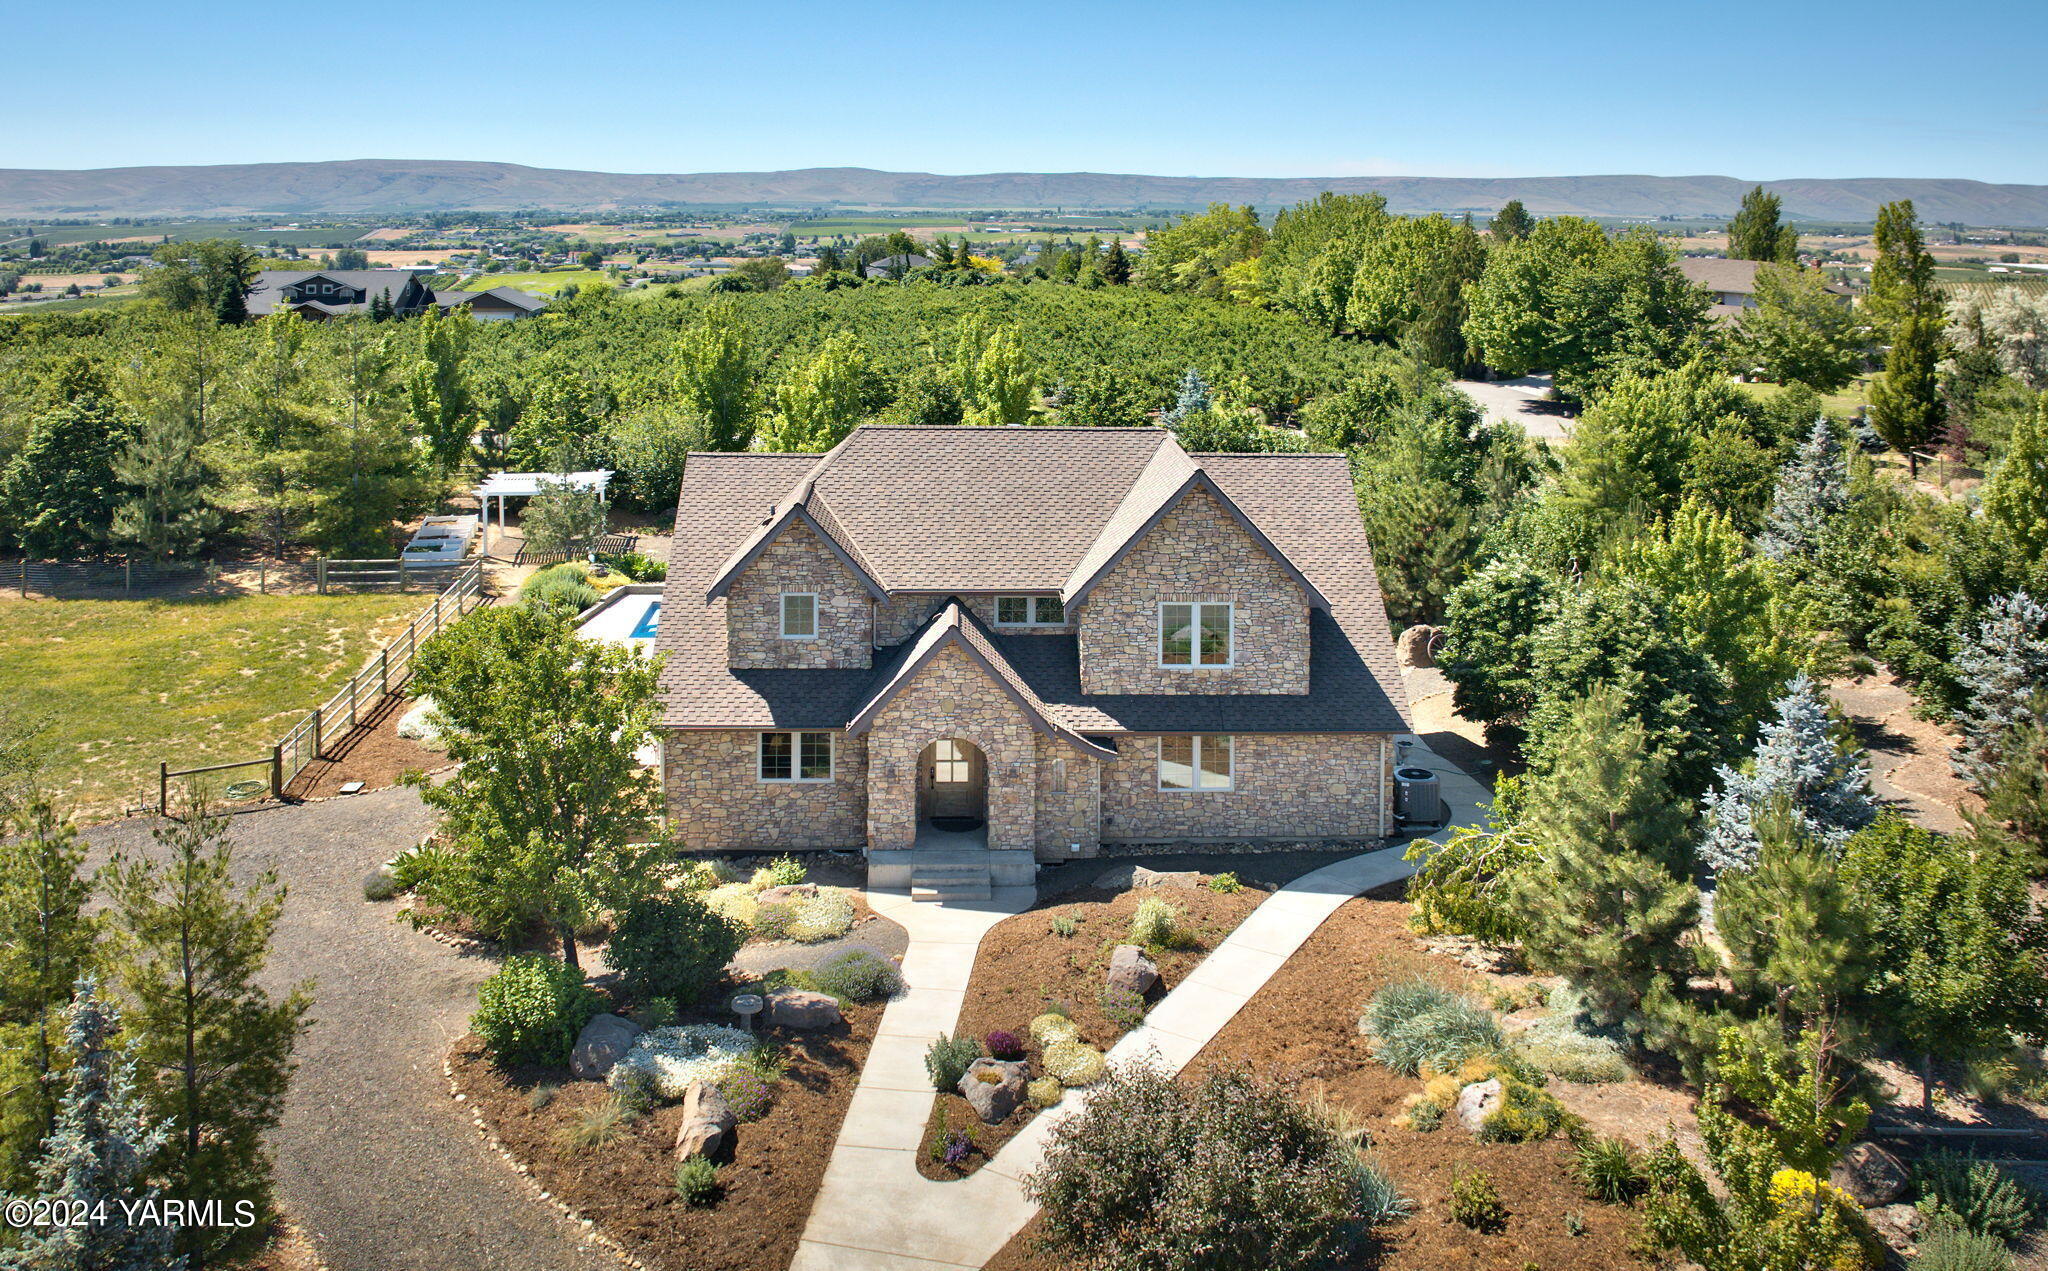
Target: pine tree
{"x":99,"y":1159}
{"x":2000,"y":667}
{"x":1906,"y":405}
{"x":828,"y":259}
{"x":1608,"y":906}
{"x":1511,"y":223}
{"x":1116,"y":266}
{"x":213,"y":1046}
{"x":169,"y":514}
{"x":58,"y":492}
{"x":1192,"y":399}
{"x":1793,"y":932}
{"x":2016,"y":801}
{"x":1825,"y":792}
{"x":46,"y":943}
{"x":2015,"y":499}
{"x":1812,"y":492}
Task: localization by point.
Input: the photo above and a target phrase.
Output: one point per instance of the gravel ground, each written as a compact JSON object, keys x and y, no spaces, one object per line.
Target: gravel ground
{"x":373,"y":1159}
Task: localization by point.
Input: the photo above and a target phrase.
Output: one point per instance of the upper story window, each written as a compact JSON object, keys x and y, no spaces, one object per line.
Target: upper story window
{"x":1194,"y":634}
{"x":799,"y":615}
{"x":1201,"y":762}
{"x":1030,"y":611}
{"x":796,"y":757}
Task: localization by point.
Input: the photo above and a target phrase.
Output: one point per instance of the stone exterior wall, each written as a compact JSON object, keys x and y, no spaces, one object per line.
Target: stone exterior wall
{"x":1072,"y":815}
{"x":797,"y":561}
{"x":1287,"y":785}
{"x":1197,"y":552}
{"x":902,"y":615}
{"x":950,"y":697}
{"x":718,"y":803}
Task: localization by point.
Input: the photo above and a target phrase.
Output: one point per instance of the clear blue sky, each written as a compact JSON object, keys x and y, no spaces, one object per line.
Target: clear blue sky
{"x":1197,"y":87}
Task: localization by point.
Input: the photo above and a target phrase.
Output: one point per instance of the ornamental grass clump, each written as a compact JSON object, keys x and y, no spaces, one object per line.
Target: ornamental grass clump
{"x":1074,"y":1063}
{"x":675,"y":1057}
{"x":1610,"y":1170}
{"x":1156,"y":924}
{"x":1225,"y":1172}
{"x":1416,"y":1025}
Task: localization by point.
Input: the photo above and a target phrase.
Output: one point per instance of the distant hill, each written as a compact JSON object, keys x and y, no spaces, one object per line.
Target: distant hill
{"x":425,"y":185}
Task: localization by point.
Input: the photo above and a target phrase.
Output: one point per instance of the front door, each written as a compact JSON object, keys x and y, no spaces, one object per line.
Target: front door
{"x":956,"y":779}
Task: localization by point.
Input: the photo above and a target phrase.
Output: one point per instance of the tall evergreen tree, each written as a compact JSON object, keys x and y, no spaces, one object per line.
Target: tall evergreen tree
{"x":1608,"y":905}
{"x":2015,"y":499}
{"x":1756,"y":232}
{"x":1902,"y":275}
{"x":168,"y":513}
{"x":1799,"y":769}
{"x":58,"y":492}
{"x":212,"y":1045}
{"x":1116,"y":265}
{"x":1999,"y":668}
{"x":1906,"y":406}
{"x":1512,"y":222}
{"x":99,"y":1160}
{"x":1812,"y":494}
{"x":46,"y":944}
{"x":828,"y":259}
{"x":1192,"y":399}
{"x":1793,"y":931}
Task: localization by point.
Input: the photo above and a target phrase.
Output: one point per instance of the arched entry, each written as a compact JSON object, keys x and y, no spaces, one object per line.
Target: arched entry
{"x":952,"y":786}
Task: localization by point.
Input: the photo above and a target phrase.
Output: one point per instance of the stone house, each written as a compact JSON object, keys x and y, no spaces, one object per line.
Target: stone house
{"x":966,"y":650}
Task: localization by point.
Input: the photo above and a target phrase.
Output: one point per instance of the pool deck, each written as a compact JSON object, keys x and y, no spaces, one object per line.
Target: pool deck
{"x":619,"y":618}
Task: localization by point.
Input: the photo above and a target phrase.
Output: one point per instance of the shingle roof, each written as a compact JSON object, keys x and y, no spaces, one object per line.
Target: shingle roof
{"x":1718,"y":273}
{"x":268,"y":289}
{"x":956,"y":509}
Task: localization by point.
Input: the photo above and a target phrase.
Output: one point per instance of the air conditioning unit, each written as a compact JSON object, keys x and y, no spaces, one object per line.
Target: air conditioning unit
{"x":1418,"y":797}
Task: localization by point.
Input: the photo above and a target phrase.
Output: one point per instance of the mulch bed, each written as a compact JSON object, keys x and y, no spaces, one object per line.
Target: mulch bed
{"x":627,"y":1188}
{"x":1022,"y":967}
{"x":373,"y":754}
{"x":1301,"y":1030}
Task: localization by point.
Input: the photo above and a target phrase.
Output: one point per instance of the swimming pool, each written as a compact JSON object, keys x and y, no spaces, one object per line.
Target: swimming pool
{"x":630,"y":615}
{"x":650,"y":620}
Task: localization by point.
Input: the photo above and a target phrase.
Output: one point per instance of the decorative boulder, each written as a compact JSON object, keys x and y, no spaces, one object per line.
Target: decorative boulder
{"x":707,"y":1123}
{"x":1477,"y":1102}
{"x":1115,"y":878}
{"x":787,"y":894}
{"x":1131,"y":971}
{"x":1899,"y":1226}
{"x":1871,"y":1175}
{"x":801,"y":1008}
{"x":1417,"y":646}
{"x":602,"y":1043}
{"x":995,"y":1087}
{"x":1183,"y":878}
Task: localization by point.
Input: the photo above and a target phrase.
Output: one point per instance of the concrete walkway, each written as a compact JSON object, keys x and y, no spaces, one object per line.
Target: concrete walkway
{"x":875,"y":1212}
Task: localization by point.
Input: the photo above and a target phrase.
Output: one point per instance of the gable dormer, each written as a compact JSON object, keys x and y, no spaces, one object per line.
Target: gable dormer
{"x":1196,"y":599}
{"x":795,"y":599}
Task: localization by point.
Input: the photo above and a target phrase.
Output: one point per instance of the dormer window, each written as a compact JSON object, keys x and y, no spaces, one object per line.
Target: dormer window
{"x":1030,"y":611}
{"x":799,"y":615}
{"x":1192,"y":635}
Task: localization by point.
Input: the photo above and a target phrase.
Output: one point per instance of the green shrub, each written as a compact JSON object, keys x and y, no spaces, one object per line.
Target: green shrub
{"x":635,"y":1091}
{"x":1950,"y":1246}
{"x":1156,"y":924}
{"x":697,"y":1182}
{"x":1225,"y":885}
{"x":413,"y":867}
{"x":531,"y":1010}
{"x":1609,"y":1169}
{"x":635,"y":565}
{"x":783,"y":871}
{"x":1226,"y":1172}
{"x":858,"y":975}
{"x":1525,"y":1114}
{"x":1476,"y":1204}
{"x":564,"y":587}
{"x":1415,"y":1025}
{"x":671,"y":946}
{"x":946,"y":1060}
{"x":379,"y":885}
{"x":1979,"y":1195}
{"x":773,"y":921}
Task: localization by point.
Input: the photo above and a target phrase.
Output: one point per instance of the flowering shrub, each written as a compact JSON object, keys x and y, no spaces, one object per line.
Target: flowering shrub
{"x":773,"y":922}
{"x":858,"y":976}
{"x":1073,"y":1063}
{"x":825,"y":916}
{"x":1004,"y":1044}
{"x":746,"y":1092}
{"x":675,"y":1057}
{"x":1050,"y":1028}
{"x":1123,"y":1008}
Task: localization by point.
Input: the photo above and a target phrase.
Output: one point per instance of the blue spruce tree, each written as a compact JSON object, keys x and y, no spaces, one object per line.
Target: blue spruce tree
{"x":1813,"y":489}
{"x":2000,"y":668}
{"x":95,"y":1159}
{"x":1826,"y":791}
{"x":1193,"y":400}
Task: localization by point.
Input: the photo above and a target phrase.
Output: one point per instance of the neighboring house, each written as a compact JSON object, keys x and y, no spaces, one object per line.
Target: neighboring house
{"x":1034,"y":641}
{"x":896,"y":266}
{"x":320,"y":294}
{"x":1732,"y":283}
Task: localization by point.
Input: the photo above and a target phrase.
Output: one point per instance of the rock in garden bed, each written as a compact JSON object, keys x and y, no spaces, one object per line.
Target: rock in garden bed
{"x":602,"y":1043}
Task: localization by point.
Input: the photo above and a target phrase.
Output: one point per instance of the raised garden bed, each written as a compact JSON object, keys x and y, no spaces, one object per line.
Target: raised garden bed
{"x":1301,"y":1029}
{"x":1023,"y":967}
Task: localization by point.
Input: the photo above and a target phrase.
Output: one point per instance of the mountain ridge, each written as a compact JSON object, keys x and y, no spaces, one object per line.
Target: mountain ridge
{"x":364,"y":186}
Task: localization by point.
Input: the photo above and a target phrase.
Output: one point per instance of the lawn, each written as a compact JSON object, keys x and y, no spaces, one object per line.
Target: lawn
{"x":125,"y":684}
{"x":1840,"y":404}
{"x":538,"y":283}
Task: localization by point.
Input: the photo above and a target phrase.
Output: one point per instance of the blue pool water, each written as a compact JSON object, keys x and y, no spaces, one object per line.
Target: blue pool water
{"x":644,"y":629}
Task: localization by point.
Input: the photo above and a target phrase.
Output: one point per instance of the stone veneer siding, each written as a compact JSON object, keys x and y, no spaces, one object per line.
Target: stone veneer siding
{"x":1287,"y":785}
{"x":1196,"y":552}
{"x":797,"y":561}
{"x":897,"y":619}
{"x":1071,"y":816}
{"x":718,"y":803}
{"x":951,"y":696}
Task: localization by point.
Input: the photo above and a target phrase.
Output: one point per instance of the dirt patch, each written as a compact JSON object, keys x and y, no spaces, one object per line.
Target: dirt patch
{"x":1022,"y":967}
{"x":627,"y":1188}
{"x":1301,"y":1030}
{"x":1909,"y":755}
{"x":373,"y":754}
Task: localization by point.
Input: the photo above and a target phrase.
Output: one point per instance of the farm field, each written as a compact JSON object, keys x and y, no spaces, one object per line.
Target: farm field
{"x":122,"y":685}
{"x":540,"y":284}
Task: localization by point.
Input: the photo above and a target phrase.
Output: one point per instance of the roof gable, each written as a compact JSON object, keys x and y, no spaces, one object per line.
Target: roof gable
{"x":1110,"y":550}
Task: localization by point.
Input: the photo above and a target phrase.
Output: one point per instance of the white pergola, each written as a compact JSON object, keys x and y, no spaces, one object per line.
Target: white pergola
{"x":524,"y":485}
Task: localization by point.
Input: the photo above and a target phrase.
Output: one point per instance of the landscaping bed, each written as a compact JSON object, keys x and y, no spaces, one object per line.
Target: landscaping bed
{"x":627,"y":1188}
{"x":1301,"y":1030}
{"x":1024,"y":968}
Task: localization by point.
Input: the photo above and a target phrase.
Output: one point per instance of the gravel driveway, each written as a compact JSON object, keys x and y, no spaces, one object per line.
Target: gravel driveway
{"x":373,"y":1159}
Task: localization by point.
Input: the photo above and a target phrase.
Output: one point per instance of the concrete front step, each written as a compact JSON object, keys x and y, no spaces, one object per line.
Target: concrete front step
{"x":942,"y":890}
{"x":949,"y":869}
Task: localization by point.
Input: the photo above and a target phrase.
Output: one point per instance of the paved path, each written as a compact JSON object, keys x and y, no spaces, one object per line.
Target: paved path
{"x":1523,"y":401}
{"x":875,"y":1212}
{"x":372,"y":1158}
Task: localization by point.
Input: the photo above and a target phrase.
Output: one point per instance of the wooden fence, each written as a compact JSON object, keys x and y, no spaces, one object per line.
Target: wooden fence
{"x":354,"y":701}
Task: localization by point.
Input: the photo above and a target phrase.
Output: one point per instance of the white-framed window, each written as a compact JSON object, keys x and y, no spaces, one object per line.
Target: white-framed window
{"x":799,"y":615}
{"x":1201,"y":761}
{"x":1195,"y":634}
{"x":796,"y":757}
{"x":1030,"y":611}
{"x":950,"y":764}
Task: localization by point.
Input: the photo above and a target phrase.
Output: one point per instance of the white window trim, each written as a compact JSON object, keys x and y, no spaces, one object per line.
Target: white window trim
{"x":1194,"y":662}
{"x":1030,"y":610}
{"x":796,"y":757}
{"x":783,"y":613}
{"x":1194,"y":765}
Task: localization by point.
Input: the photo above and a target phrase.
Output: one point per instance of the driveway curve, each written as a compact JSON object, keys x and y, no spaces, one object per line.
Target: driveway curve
{"x":374,"y":1160}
